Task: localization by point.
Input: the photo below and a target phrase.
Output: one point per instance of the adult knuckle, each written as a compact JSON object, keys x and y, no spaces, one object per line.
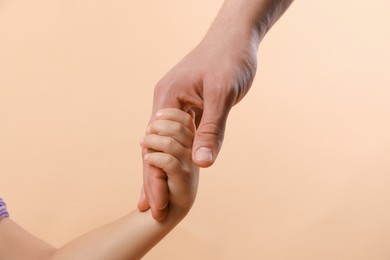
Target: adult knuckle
{"x":224,"y":88}
{"x":211,"y":128}
{"x":160,"y":86}
{"x":161,"y":90}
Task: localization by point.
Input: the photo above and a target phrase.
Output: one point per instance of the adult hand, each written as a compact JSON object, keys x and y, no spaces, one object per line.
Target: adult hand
{"x":210,"y":80}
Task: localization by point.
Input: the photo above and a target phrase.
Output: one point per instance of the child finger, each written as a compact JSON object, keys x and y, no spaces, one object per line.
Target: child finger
{"x":165,"y":144}
{"x":159,"y":192}
{"x":173,"y":129}
{"x":177,"y":115}
{"x":168,"y":163}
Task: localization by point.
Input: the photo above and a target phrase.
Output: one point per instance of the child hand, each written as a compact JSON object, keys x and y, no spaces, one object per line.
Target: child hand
{"x":168,"y":146}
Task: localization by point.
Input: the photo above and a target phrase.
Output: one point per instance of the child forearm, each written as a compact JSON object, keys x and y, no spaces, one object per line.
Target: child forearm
{"x":129,"y":237}
{"x":17,"y":243}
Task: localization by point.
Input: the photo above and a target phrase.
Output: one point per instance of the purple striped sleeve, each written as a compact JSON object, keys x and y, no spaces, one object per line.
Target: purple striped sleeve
{"x":3,"y":209}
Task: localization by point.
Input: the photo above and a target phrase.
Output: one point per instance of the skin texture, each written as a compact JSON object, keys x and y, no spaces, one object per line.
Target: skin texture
{"x":167,"y":146}
{"x":209,"y":81}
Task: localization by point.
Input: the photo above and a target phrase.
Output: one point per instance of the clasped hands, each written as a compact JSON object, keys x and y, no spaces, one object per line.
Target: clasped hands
{"x":205,"y":84}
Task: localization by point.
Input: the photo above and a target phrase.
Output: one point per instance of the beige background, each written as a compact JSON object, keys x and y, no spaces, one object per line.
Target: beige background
{"x":304,"y":172}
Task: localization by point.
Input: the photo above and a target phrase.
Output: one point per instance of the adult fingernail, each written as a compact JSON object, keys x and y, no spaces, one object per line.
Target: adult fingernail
{"x":204,"y":154}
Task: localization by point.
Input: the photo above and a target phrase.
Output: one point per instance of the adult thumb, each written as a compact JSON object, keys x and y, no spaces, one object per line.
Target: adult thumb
{"x":210,"y":132}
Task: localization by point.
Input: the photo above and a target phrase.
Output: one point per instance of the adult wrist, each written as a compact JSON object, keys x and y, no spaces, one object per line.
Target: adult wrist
{"x":251,"y":17}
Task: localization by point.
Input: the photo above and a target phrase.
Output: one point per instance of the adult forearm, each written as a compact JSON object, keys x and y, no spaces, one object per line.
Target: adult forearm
{"x":252,"y":17}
